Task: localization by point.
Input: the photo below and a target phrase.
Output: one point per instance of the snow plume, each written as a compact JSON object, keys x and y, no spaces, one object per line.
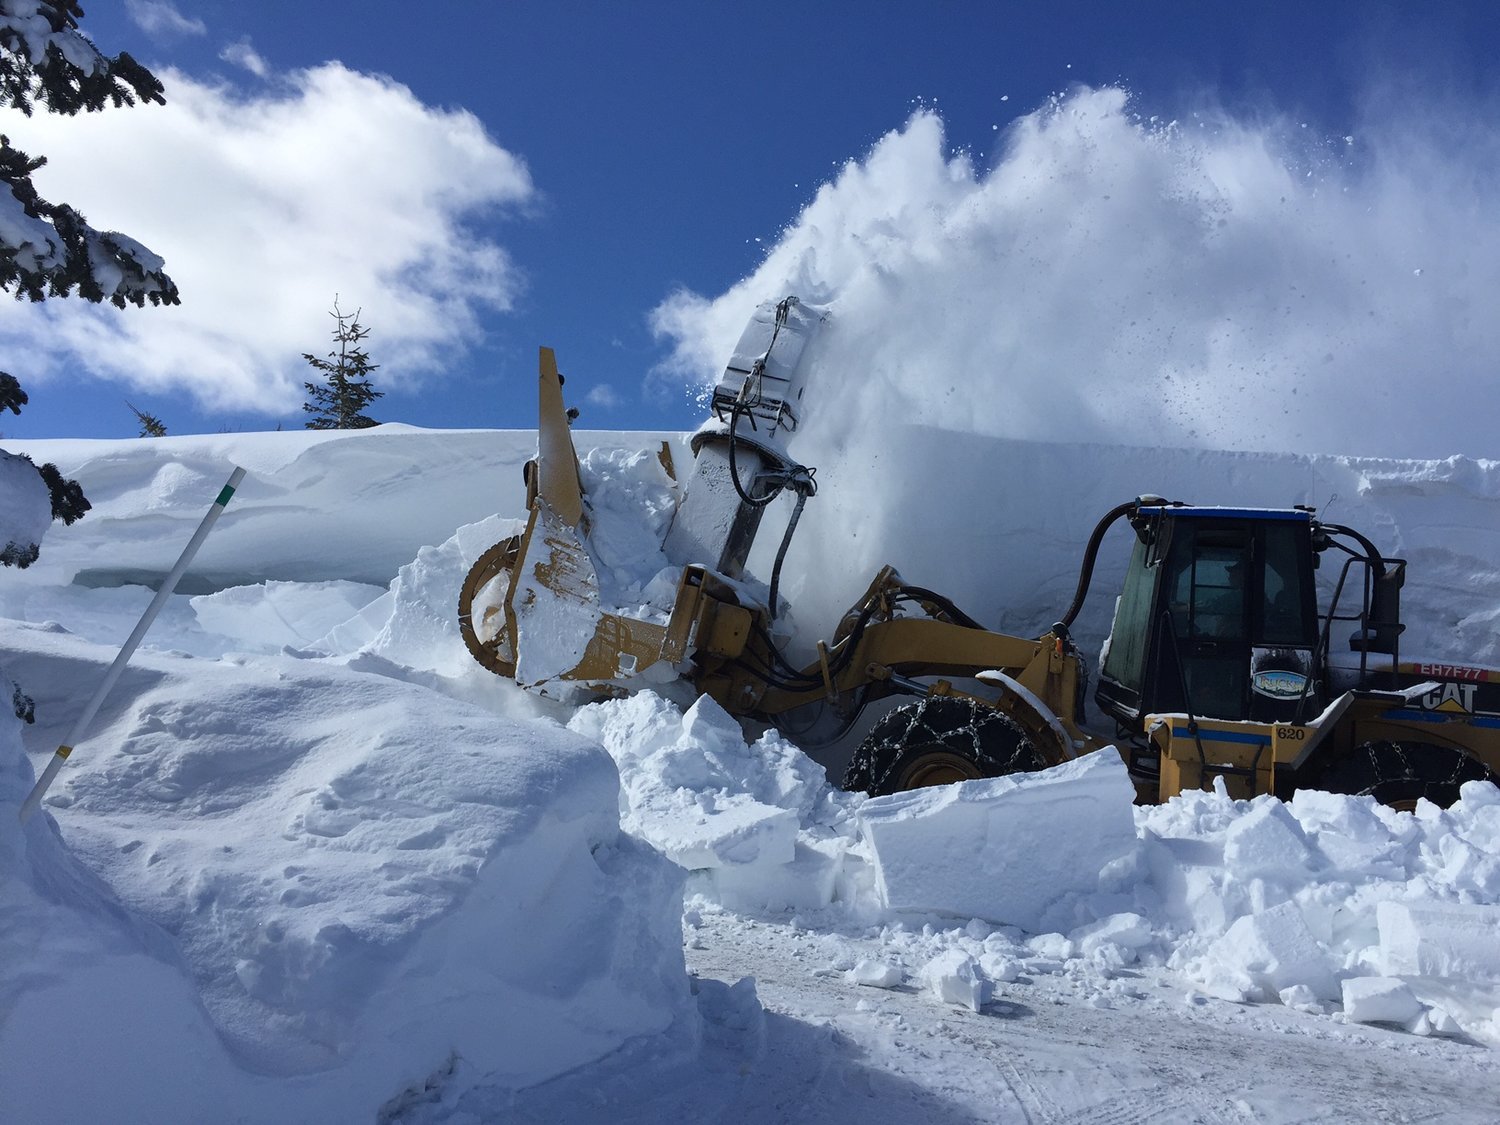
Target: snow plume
{"x":324,"y":182}
{"x":1209,"y":282}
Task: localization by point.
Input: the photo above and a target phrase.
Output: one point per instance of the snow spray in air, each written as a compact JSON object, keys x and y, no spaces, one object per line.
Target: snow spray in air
{"x":1113,"y":282}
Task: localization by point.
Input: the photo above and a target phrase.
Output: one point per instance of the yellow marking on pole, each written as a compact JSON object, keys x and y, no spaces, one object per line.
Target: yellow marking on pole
{"x":64,"y":751}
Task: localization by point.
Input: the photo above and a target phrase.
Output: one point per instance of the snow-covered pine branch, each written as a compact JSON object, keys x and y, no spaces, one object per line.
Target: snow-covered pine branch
{"x":47,"y":249}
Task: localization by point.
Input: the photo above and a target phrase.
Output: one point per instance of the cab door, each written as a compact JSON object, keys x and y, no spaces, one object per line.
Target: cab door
{"x":1202,"y":645}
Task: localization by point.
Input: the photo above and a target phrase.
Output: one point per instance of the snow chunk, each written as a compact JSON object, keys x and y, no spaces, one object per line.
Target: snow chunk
{"x":954,"y":978}
{"x":1438,"y":939}
{"x":1267,"y":843}
{"x":1380,"y":1000}
{"x":1006,"y":849}
{"x":1262,"y":954}
{"x":1125,"y":932}
{"x":756,"y":820}
{"x":876,"y":974}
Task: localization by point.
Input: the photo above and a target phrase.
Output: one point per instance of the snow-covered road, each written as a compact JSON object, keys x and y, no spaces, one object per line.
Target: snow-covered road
{"x":1044,"y":1050}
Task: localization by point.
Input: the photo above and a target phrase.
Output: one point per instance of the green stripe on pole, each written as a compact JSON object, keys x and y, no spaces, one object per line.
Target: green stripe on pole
{"x":224,"y":496}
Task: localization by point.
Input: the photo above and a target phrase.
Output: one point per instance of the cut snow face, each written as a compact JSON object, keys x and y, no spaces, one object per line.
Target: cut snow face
{"x":999,"y":839}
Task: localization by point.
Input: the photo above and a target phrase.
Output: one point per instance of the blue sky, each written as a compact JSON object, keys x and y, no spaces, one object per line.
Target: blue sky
{"x":665,"y":146}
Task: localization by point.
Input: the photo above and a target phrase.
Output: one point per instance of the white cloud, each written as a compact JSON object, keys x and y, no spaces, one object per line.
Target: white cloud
{"x":265,"y":207}
{"x":161,"y":17}
{"x":1221,"y":284}
{"x":603,"y":396}
{"x":243,"y":55}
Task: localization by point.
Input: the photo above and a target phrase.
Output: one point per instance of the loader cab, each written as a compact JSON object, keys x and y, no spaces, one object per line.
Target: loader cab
{"x":1217,"y":618}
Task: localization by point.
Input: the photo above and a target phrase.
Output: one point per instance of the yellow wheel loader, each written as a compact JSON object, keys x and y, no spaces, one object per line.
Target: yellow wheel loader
{"x":1220,"y":662}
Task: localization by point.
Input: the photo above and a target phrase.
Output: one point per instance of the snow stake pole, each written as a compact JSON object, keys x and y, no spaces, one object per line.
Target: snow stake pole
{"x":169,"y":584}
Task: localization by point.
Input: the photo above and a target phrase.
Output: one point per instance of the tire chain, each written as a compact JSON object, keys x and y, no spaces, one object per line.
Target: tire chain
{"x":920,"y":730}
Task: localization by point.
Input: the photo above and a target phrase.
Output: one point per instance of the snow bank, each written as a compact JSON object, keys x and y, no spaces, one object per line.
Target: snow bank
{"x":346,"y":878}
{"x":358,"y":506}
{"x":999,"y":525}
{"x":316,"y":505}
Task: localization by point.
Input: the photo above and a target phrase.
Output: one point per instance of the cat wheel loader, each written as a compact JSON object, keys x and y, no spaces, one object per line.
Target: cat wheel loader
{"x":1222,"y":662}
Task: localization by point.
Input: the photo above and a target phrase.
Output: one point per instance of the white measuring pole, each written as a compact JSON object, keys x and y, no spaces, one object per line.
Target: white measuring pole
{"x":169,"y":584}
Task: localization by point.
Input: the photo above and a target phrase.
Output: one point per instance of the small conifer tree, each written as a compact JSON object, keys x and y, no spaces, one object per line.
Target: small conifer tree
{"x":339,"y":401}
{"x":151,"y":425}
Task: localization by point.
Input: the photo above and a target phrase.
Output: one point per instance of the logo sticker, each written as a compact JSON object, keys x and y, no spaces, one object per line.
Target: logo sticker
{"x":1279,"y":683}
{"x":1454,"y":699}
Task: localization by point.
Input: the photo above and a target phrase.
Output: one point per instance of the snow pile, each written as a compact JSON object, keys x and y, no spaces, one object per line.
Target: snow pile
{"x":1057,"y":873}
{"x":332,"y":874}
{"x":756,"y":824}
{"x":1270,"y":896}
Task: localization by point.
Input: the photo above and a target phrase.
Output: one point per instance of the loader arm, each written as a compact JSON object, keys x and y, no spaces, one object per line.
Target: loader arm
{"x":874,"y":654}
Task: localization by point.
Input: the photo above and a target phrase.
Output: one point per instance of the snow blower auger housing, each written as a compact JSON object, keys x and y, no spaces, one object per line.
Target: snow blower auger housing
{"x":1220,"y":663}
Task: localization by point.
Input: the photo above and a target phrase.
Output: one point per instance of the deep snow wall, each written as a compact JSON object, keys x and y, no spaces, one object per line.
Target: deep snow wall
{"x":997,"y":524}
{"x":1000,"y":525}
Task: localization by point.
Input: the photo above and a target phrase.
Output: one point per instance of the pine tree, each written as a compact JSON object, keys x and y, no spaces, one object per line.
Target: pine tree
{"x":151,"y":425}
{"x":338,"y":403}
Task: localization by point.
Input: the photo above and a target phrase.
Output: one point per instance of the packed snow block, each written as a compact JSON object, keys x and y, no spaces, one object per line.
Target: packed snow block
{"x":1467,"y":868}
{"x":1125,"y":932}
{"x":1188,"y":874}
{"x":954,"y":977}
{"x":1262,"y":954}
{"x":1349,"y":834}
{"x":807,"y":882}
{"x":725,"y":830}
{"x":1267,"y":843}
{"x":876,"y":974}
{"x":736,"y":814}
{"x":1439,"y":939}
{"x":1380,"y":1000}
{"x":1004,"y":849}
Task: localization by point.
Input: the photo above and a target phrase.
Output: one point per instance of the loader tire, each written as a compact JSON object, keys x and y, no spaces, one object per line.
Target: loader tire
{"x":1400,"y":773}
{"x":936,"y":741}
